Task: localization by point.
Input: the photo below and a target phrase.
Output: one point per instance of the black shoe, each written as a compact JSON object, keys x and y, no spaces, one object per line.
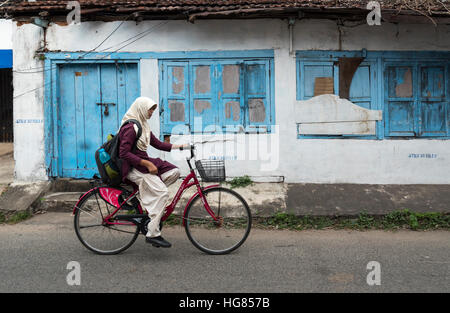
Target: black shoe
{"x":158,"y":242}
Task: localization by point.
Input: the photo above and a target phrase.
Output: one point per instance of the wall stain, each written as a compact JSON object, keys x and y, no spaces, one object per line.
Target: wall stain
{"x":256,"y":110}
{"x":232,"y":106}
{"x":404,"y":90}
{"x":202,"y":82}
{"x":176,"y":111}
{"x":178,"y":80}
{"x":231,"y":79}
{"x":201,"y":105}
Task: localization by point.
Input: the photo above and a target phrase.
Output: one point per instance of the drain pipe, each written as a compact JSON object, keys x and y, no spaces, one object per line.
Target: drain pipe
{"x":291,"y":23}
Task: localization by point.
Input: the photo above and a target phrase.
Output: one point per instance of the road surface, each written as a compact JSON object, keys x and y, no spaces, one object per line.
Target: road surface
{"x":34,"y":256}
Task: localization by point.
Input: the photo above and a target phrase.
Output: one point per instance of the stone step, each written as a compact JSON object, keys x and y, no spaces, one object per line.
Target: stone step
{"x":263,"y":198}
{"x":71,"y":185}
{"x":58,"y":202}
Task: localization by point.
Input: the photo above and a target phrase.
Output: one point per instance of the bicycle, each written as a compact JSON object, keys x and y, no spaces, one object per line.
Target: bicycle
{"x":217,"y":220}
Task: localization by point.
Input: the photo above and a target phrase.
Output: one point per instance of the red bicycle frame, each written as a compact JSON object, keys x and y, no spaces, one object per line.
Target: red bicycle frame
{"x":186,"y":184}
{"x":112,"y":195}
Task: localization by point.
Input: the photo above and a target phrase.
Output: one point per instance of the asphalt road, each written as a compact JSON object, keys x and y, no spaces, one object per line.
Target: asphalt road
{"x":34,"y":256}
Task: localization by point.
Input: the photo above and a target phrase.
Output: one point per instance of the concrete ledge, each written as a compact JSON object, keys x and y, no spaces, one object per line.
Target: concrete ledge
{"x":352,"y":199}
{"x":265,"y":199}
{"x":70,"y":185}
{"x":57,"y":202}
{"x":22,"y":197}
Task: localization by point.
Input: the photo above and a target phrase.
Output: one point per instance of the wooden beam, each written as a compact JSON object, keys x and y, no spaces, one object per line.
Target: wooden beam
{"x":414,"y":19}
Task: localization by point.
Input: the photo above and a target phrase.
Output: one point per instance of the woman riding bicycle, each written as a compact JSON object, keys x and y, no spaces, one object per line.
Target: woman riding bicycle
{"x":150,"y":175}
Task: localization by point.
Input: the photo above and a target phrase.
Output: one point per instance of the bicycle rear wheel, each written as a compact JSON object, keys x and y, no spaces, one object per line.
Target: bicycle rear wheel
{"x":227,"y":233}
{"x":95,"y":234}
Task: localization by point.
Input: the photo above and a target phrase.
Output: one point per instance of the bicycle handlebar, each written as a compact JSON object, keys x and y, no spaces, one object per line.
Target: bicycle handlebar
{"x":192,"y":148}
{"x":188,"y":159}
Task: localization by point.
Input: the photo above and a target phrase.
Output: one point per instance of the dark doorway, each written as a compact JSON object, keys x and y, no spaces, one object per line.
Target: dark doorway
{"x":6,"y":105}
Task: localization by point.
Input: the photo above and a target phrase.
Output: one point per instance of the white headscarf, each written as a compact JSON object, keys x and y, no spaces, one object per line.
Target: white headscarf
{"x":139,"y":111}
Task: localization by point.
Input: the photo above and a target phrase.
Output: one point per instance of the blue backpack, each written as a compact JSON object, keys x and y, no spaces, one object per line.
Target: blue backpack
{"x":107,"y":157}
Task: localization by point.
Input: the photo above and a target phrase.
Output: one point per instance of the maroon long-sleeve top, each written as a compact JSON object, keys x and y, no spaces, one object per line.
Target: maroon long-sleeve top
{"x":127,"y":137}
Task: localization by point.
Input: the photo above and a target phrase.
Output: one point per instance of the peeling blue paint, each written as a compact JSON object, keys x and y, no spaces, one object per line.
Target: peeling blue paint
{"x":412,"y":88}
{"x":245,"y":104}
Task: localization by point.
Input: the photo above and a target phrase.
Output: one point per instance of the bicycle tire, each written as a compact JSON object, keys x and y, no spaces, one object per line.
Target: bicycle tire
{"x":205,"y":223}
{"x":134,"y":230}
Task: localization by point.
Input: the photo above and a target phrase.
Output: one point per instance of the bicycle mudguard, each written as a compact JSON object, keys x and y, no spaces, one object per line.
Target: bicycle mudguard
{"x":80,"y":199}
{"x":192,"y":198}
{"x":110,"y":195}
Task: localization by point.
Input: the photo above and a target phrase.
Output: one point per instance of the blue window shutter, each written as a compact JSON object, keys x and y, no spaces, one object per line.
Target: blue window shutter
{"x":257,"y":95}
{"x":230,"y":94}
{"x":216,"y":94}
{"x":309,"y":71}
{"x":362,"y":88}
{"x":433,"y":100}
{"x":400,"y":112}
{"x":175,"y":96}
{"x":203,"y":100}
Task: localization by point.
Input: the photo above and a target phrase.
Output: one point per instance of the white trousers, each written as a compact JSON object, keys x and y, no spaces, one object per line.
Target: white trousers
{"x":153,"y":195}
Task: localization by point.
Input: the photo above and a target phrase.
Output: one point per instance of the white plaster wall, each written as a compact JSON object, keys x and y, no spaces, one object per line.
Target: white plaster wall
{"x":28,"y":111}
{"x":312,"y":161}
{"x":5,"y":34}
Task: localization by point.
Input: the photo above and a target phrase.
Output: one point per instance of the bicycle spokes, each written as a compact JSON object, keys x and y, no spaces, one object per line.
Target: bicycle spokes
{"x":218,"y":233}
{"x":100,"y":232}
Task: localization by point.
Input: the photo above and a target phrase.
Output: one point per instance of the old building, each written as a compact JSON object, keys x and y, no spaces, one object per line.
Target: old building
{"x":6,"y":82}
{"x":295,"y":91}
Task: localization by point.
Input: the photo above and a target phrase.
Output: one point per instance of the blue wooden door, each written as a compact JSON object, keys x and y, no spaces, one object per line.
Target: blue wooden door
{"x":93,"y":100}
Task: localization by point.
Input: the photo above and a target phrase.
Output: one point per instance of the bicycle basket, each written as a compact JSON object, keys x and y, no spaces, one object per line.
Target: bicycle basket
{"x":211,"y":170}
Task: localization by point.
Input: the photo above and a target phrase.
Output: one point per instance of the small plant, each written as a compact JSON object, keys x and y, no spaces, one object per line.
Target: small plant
{"x":365,"y":221}
{"x":242,"y":181}
{"x":284,"y":220}
{"x":19,"y":217}
{"x":2,"y":218}
{"x":4,"y":190}
{"x":172,"y":220}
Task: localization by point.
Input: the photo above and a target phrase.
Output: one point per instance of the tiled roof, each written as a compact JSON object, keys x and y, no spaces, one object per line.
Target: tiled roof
{"x":189,"y":7}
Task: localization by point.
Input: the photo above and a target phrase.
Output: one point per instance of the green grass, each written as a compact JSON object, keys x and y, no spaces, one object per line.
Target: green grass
{"x":404,"y":219}
{"x":173,"y":220}
{"x":15,"y":218}
{"x":242,"y":181}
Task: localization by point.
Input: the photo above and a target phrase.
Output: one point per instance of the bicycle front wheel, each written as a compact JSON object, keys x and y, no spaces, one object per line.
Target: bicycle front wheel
{"x":98,"y":235}
{"x":225,"y":233}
